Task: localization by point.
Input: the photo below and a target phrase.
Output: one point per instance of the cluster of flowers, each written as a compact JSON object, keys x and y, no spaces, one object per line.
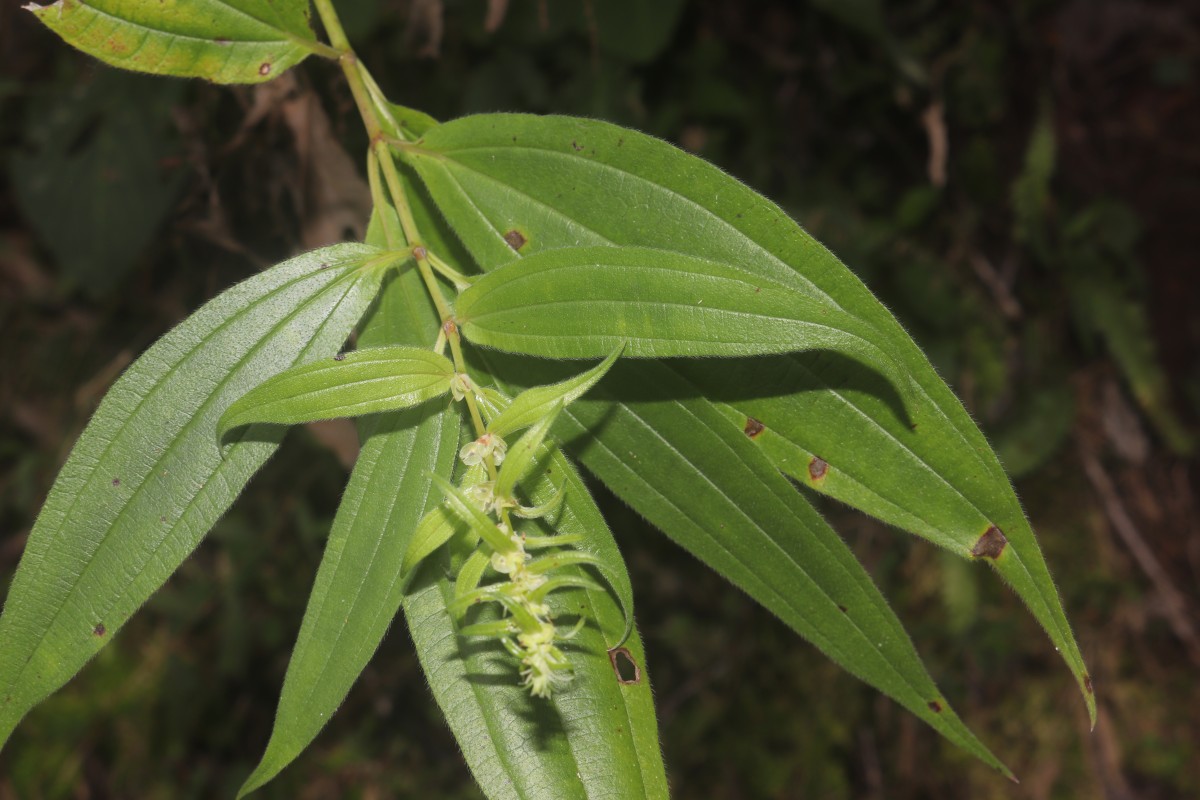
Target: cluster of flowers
{"x":484,"y":505}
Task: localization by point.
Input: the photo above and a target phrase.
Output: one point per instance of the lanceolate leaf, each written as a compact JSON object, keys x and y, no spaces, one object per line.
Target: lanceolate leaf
{"x":347,"y":385}
{"x":678,"y":462}
{"x":520,"y":460}
{"x":359,"y":585}
{"x":516,"y":185}
{"x":533,"y":404}
{"x":147,"y":478}
{"x":225,"y":41}
{"x":580,"y":302}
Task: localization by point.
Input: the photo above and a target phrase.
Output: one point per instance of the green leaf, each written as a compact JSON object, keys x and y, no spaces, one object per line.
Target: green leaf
{"x":580,"y":302}
{"x":359,"y":584}
{"x":678,"y":462}
{"x":518,"y":185}
{"x":349,"y":385}
{"x":533,"y":404}
{"x":224,"y":41}
{"x":360,"y":571}
{"x":147,"y":480}
{"x":521,"y":456}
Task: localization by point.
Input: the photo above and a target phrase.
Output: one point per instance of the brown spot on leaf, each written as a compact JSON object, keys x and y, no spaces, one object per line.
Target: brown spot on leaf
{"x":340,"y":357}
{"x":420,"y":253}
{"x":449,"y":327}
{"x":221,"y":41}
{"x":624,"y":666}
{"x":116,"y":481}
{"x":1087,"y":684}
{"x":265,"y":68}
{"x":990,"y":545}
{"x":843,"y":609}
{"x":516,"y":240}
{"x":753,"y":428}
{"x":935,"y":706}
{"x":817,"y":468}
{"x":576,"y":145}
{"x":99,"y":630}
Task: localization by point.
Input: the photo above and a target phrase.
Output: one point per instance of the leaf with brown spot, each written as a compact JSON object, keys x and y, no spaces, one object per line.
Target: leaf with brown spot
{"x":817,"y":467}
{"x":990,"y":545}
{"x":224,"y":41}
{"x":98,"y":553}
{"x":516,"y":240}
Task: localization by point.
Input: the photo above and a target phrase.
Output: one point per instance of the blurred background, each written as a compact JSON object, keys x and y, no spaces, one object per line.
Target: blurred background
{"x":1018,"y":181}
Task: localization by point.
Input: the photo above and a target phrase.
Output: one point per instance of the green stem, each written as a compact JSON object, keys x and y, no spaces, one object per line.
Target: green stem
{"x":333,"y":25}
{"x":380,"y":158}
{"x":393,"y":234}
{"x":399,"y":197}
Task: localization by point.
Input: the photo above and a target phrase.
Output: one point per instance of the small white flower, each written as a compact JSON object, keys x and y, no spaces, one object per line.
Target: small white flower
{"x":506,"y":563}
{"x":487,"y":445}
{"x":484,"y":496}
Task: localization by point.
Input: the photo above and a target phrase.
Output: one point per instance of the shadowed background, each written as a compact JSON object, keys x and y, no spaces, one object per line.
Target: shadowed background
{"x":1017,"y":181}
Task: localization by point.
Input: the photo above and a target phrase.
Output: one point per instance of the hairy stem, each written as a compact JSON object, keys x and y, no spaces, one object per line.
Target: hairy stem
{"x":369,"y":100}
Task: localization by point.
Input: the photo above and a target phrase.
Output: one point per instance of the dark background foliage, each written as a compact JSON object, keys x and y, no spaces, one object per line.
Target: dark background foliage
{"x":1016,"y":180}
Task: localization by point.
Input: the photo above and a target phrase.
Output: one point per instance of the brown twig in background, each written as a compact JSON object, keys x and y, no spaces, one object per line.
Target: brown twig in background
{"x":933,"y":119}
{"x":1001,"y":289}
{"x":1174,"y":605}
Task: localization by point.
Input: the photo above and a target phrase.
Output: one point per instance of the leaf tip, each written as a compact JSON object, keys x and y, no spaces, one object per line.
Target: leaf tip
{"x":1089,"y":697}
{"x":260,"y":777}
